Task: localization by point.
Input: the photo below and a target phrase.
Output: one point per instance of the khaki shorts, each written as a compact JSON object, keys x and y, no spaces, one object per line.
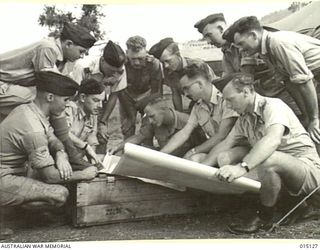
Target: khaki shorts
{"x":16,"y":190}
{"x":311,"y":178}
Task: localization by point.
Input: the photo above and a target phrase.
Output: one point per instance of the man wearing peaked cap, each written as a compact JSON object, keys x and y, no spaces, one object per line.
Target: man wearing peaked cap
{"x":167,"y":51}
{"x":82,"y":116}
{"x":18,"y":68}
{"x":26,"y":136}
{"x":109,"y":70}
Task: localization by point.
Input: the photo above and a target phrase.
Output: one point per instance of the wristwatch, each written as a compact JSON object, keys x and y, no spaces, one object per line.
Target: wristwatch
{"x":244,"y":165}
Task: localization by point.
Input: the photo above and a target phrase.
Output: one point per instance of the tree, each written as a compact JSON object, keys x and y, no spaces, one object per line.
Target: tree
{"x":295,"y":6}
{"x":54,"y":19}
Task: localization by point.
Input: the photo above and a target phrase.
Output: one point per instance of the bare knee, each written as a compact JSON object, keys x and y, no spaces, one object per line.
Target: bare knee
{"x":62,"y":194}
{"x":198,"y":157}
{"x":223,"y":159}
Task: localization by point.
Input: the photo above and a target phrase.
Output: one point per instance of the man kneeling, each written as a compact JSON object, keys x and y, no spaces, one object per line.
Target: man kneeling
{"x":26,"y":135}
{"x":162,"y":122}
{"x":280,"y":149}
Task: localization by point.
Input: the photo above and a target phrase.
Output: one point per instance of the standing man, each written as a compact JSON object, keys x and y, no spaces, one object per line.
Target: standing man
{"x":279,"y":147}
{"x":294,"y":56}
{"x":167,"y":51}
{"x":109,"y":70}
{"x":26,"y":136}
{"x":210,"y":112}
{"x":144,"y":78}
{"x":18,"y":68}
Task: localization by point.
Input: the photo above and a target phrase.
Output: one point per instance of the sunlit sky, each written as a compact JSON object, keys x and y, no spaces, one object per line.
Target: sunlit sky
{"x":19,"y":25}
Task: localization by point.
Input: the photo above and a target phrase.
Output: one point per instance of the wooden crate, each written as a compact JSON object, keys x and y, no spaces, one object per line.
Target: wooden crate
{"x":112,"y":199}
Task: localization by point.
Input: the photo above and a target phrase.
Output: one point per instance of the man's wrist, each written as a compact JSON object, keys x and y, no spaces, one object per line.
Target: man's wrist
{"x":245,"y":166}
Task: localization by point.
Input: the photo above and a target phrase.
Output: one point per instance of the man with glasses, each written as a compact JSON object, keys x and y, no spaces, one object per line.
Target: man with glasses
{"x":210,"y":112}
{"x":144,"y":77}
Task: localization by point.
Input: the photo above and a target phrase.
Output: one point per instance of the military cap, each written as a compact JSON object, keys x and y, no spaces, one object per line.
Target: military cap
{"x":78,"y":34}
{"x":239,"y":26}
{"x":114,"y":55}
{"x":209,"y":19}
{"x":55,"y":83}
{"x":91,"y":87}
{"x":157,"y":49}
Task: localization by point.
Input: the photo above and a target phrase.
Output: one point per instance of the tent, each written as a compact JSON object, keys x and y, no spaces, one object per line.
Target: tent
{"x":305,"y":21}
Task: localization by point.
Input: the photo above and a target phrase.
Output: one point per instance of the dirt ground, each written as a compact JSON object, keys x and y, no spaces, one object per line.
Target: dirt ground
{"x":33,"y":228}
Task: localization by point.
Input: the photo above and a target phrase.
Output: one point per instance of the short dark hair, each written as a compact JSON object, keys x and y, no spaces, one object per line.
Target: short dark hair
{"x":242,"y":80}
{"x":91,"y":87}
{"x":136,"y":43}
{"x":197,"y":68}
{"x":160,"y":102}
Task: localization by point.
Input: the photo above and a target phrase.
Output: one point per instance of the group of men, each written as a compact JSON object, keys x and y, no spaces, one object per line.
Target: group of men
{"x":235,"y":122}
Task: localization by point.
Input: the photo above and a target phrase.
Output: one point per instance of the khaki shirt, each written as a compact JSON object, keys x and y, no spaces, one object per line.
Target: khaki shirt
{"x":294,"y":55}
{"x":210,"y":116}
{"x":83,"y":70}
{"x":18,"y":66}
{"x":26,"y":135}
{"x":270,"y":111}
{"x":82,"y":126}
{"x":164,"y":132}
{"x":140,"y":81}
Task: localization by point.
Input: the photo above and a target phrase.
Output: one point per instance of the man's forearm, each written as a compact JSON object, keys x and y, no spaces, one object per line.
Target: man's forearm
{"x":209,"y":144}
{"x":111,"y":103}
{"x":177,"y":100}
{"x":176,"y":141}
{"x":309,"y":96}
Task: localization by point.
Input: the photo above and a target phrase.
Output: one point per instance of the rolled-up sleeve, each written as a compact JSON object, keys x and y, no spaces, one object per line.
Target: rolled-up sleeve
{"x":36,"y":147}
{"x":45,"y":59}
{"x":291,"y":58}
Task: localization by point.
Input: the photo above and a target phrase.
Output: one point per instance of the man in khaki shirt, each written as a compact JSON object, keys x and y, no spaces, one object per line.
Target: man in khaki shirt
{"x":82,"y":117}
{"x":210,"y":112}
{"x":162,"y":123}
{"x":27,"y":137}
{"x":277,"y":146}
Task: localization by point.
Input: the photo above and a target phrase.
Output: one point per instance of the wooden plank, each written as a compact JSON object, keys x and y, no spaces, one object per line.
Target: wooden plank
{"x":137,"y":210}
{"x":101,"y":192}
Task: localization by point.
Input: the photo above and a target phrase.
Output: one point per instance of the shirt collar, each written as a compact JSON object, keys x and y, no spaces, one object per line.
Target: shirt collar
{"x":264,"y":42}
{"x":80,"y":113}
{"x":259,"y":103}
{"x":214,"y":95}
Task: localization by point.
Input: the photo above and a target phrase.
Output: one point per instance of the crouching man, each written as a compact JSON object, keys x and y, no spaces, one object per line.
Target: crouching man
{"x":162,"y":123}
{"x":82,"y":117}
{"x":210,"y":112}
{"x":280,"y":149}
{"x":26,"y":136}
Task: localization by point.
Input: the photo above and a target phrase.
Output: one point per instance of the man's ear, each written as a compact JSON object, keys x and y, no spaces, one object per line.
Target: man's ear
{"x":50,"y":97}
{"x":68,"y":43}
{"x":220,"y":28}
{"x":247,"y":90}
{"x":254,"y":34}
{"x":82,"y":97}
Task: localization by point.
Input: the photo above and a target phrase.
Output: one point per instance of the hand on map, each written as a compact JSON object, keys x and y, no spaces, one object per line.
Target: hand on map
{"x":229,"y":173}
